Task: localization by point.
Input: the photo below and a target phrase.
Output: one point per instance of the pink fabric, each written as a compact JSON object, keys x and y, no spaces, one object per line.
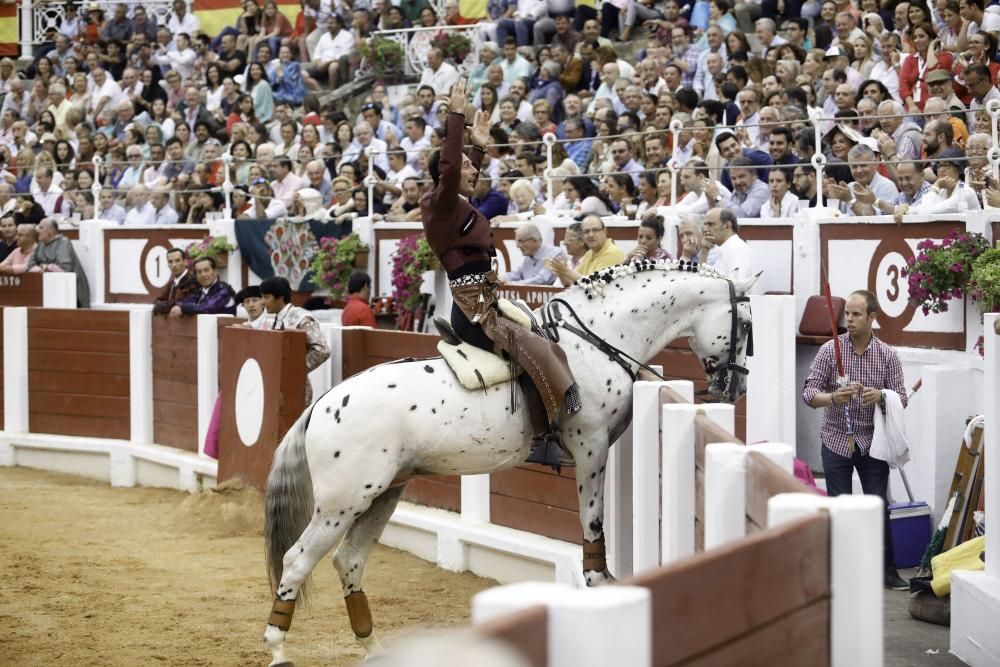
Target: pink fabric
{"x":212,"y":436}
{"x":803,"y":473}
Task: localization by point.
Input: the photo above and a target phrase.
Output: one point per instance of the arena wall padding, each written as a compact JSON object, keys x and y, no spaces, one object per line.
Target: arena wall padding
{"x":525,"y":631}
{"x":78,"y":372}
{"x":175,"y":382}
{"x":2,"y":424}
{"x":781,"y":619}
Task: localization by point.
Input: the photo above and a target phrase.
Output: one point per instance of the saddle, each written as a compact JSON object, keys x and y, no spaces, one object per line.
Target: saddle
{"x":474,"y":367}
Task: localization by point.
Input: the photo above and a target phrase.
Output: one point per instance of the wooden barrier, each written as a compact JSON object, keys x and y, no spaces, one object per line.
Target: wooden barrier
{"x":537,"y":499}
{"x":364,"y":348}
{"x":2,"y":424}
{"x":22,"y":290}
{"x":262,"y":386}
{"x":175,"y":382}
{"x":762,"y":601}
{"x":78,"y":372}
{"x":525,"y":631}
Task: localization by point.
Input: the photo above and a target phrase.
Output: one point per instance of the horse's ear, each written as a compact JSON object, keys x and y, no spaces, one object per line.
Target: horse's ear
{"x":743,"y":285}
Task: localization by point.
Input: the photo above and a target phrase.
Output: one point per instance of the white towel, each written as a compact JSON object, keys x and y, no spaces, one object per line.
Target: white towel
{"x":889,"y":440}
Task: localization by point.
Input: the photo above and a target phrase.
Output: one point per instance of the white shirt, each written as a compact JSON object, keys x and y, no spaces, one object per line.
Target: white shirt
{"x":881,"y":186}
{"x":962,"y":198}
{"x":735,"y":259}
{"x":286,"y":188}
{"x":789,"y":207}
{"x":413,"y":149}
{"x":189,"y":24}
{"x":112,"y":91}
{"x":887,"y":75}
{"x":333,"y":48}
{"x":53,"y":202}
{"x":377,"y":153}
{"x":144,"y":215}
{"x":165,"y":216}
{"x":396,"y":179}
{"x":181,"y":61}
{"x":440,"y":80}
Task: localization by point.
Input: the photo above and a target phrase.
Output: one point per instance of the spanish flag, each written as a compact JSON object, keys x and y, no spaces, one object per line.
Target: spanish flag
{"x":8,"y":28}
{"x":215,"y":15}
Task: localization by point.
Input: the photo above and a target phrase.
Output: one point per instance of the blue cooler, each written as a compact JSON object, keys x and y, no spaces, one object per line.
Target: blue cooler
{"x":911,"y":532}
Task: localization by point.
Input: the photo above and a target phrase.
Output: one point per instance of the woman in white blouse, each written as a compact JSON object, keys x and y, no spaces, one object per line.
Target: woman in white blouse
{"x":783,"y":203}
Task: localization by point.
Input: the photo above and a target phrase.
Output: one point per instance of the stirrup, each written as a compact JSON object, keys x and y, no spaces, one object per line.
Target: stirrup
{"x":446,"y":332}
{"x":547,"y":449}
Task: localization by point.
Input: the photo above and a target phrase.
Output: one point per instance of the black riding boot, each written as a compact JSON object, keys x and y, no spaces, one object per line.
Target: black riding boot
{"x":546,"y":444}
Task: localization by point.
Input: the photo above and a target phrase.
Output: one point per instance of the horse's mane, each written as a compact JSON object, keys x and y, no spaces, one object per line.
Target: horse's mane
{"x":593,"y":284}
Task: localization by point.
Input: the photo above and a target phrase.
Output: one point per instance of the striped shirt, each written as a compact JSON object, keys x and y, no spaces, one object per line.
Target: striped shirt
{"x":878,"y":367}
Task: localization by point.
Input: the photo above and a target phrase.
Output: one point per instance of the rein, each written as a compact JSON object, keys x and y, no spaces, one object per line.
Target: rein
{"x":552,"y":319}
{"x":731,"y":365}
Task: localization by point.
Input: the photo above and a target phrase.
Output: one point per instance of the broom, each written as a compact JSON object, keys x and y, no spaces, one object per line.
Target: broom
{"x":937,"y":540}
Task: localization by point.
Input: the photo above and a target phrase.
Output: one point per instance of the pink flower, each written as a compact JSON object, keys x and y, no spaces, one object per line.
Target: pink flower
{"x":956,"y":267}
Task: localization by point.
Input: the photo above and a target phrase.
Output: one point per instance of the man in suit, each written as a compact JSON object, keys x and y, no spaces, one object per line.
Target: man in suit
{"x":213,"y":297}
{"x":182,"y":284}
{"x":462,"y":240}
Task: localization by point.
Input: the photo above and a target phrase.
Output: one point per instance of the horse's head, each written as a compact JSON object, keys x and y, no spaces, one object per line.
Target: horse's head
{"x":723,"y":339}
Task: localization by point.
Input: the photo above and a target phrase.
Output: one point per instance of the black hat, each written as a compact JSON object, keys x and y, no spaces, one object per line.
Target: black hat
{"x":252,"y":292}
{"x":277,"y":286}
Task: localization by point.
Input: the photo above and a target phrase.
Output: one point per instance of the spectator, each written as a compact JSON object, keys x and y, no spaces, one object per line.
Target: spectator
{"x":164,"y":213}
{"x":281,"y":314}
{"x":54,"y":253}
{"x":729,"y":148}
{"x":782,"y":203}
{"x":182,"y":284}
{"x":16,"y":262}
{"x":285,"y":183}
{"x":872,"y":367}
{"x":50,"y":196}
{"x":109,"y":209}
{"x":141,"y":212}
{"x":925,"y":58}
{"x":212,"y":297}
{"x":621,"y":155}
{"x":601,"y":253}
{"x":532,"y":270}
{"x":357,"y":312}
{"x":407,"y":207}
{"x":439,"y":74}
{"x":949,"y":193}
{"x":979,"y":82}
{"x":514,"y":66}
{"x":862,"y":197}
{"x":330,"y":57}
{"x":487,"y":200}
{"x":735,"y":259}
{"x":648,"y":241}
{"x":8,"y":236}
{"x":805,"y":184}
{"x":748,"y":195}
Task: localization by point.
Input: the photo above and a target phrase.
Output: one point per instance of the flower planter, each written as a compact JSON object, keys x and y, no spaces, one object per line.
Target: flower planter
{"x":222,"y":260}
{"x":361,"y":259}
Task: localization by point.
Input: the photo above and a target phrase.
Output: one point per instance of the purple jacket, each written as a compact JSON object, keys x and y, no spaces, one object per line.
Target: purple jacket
{"x":219,"y":299}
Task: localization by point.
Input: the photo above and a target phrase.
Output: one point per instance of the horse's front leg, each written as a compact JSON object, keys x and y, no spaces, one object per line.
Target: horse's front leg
{"x":591,"y":462}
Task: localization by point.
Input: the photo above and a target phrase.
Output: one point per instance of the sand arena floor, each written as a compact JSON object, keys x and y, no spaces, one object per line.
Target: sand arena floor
{"x":91,"y":574}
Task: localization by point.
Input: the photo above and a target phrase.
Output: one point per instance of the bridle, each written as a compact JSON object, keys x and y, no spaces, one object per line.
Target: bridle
{"x":731,"y":366}
{"x":552,"y":320}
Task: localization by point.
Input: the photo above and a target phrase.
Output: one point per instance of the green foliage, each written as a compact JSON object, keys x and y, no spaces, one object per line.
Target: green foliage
{"x":383,"y":54}
{"x":985,"y":281}
{"x":333,"y":263}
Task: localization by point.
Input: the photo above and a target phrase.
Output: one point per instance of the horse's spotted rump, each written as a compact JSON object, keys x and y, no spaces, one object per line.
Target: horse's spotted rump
{"x":412,"y":408}
{"x":347,"y":397}
{"x":429,"y":368}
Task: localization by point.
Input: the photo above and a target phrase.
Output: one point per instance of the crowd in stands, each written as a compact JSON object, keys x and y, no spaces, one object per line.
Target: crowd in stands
{"x":163,"y":114}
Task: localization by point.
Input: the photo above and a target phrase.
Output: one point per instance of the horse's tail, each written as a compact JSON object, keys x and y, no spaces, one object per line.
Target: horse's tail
{"x":289,"y":500}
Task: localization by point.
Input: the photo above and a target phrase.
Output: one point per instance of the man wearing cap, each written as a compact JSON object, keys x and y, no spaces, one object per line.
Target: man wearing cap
{"x":251,"y":300}
{"x":939,"y":87}
{"x":280,"y":314}
{"x":837,"y":58}
{"x":357,"y":312}
{"x":462,"y":240}
{"x":182,"y":283}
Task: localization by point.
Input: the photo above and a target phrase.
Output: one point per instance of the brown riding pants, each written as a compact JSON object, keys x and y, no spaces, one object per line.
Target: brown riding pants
{"x":543,"y":361}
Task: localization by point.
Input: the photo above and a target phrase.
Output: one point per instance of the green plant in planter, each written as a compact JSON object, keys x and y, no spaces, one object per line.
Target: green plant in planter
{"x":383,"y":54}
{"x":456,"y":46}
{"x":941,"y":271}
{"x":210,"y":246}
{"x":333,"y":263}
{"x":985,"y":281}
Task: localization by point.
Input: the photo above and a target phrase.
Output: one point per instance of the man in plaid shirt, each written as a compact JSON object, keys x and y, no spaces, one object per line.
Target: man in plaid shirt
{"x":848,"y":423}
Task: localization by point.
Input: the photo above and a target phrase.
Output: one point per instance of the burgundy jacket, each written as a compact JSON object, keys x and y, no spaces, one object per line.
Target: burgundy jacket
{"x":456,"y":231}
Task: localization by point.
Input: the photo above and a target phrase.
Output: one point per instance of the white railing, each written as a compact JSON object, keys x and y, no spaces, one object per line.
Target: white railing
{"x":416,"y":42}
{"x":36,"y":18}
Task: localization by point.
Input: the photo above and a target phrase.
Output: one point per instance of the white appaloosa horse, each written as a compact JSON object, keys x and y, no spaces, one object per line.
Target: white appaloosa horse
{"x":333,"y":476}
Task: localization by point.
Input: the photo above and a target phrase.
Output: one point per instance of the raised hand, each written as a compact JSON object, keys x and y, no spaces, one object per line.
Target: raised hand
{"x":459,"y":97}
{"x":480,"y":132}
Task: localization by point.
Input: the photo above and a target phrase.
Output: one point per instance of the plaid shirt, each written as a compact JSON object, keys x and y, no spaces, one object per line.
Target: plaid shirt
{"x":903,"y":198}
{"x":878,"y":366}
{"x":690,"y":56}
